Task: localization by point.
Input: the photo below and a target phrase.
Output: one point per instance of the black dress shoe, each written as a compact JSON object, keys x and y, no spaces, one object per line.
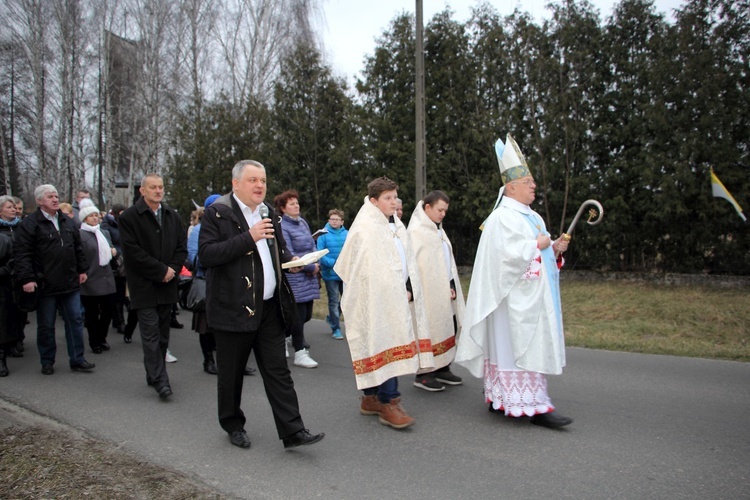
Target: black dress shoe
{"x":493,"y":410}
{"x":239,"y":438}
{"x":552,"y":420}
{"x":249,"y":370}
{"x":210,"y":367}
{"x":48,"y":369}
{"x":104,"y":346}
{"x":120,"y":328}
{"x":83,"y":366}
{"x":96,"y":349}
{"x":175,"y":324}
{"x":302,"y":437}
{"x":164,"y":392}
{"x":14,"y":352}
{"x":128,"y":338}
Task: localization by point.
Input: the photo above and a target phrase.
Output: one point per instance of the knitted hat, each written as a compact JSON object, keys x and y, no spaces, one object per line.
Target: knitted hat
{"x":86,"y":211}
{"x":210,"y":200}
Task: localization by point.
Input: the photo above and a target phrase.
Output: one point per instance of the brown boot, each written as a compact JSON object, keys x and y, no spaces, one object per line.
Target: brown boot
{"x":394,"y":415}
{"x":370,"y":405}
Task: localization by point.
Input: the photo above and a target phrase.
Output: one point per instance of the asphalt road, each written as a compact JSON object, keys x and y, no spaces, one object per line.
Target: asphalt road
{"x":645,"y":427}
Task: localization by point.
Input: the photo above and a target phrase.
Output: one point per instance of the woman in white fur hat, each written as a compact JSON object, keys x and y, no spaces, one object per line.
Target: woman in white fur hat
{"x":98,"y":292}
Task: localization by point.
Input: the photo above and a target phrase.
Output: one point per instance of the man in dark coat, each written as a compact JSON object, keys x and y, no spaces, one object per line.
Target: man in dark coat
{"x":49,"y":260}
{"x":249,"y":303}
{"x":154,"y":249}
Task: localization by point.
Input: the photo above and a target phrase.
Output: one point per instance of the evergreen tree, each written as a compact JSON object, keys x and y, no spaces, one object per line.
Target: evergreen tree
{"x":454,"y":142}
{"x":387,"y":100}
{"x":314,"y":143}
{"x":207,"y":145}
{"x":631,"y":132}
{"x":710,"y":129}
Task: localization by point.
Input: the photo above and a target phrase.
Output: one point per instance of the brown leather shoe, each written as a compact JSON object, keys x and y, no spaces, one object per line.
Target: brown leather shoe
{"x":394,"y":415}
{"x":370,"y":405}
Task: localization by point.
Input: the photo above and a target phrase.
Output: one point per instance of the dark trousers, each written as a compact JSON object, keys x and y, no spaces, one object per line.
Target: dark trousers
{"x":98,"y":315}
{"x":297,"y":331}
{"x":154,"y":324}
{"x":8,"y":317}
{"x":132,"y":322}
{"x":208,"y":344}
{"x":232,"y":352}
{"x":121,"y":302}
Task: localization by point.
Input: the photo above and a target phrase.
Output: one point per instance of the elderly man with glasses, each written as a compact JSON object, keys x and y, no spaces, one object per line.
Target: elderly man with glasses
{"x":513,"y":331}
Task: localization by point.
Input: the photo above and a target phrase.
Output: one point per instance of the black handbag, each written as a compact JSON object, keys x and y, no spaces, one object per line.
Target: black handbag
{"x":193,"y":294}
{"x":118,"y":265}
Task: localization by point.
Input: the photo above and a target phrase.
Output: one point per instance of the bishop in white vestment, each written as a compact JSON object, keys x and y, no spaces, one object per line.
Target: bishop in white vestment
{"x":513,"y":328}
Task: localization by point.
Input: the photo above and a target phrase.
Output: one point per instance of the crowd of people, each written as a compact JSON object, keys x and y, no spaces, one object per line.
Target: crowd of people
{"x":397,"y":286}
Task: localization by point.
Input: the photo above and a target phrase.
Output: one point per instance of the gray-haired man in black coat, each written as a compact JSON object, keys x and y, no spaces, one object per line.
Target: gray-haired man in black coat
{"x":49,"y":261}
{"x":154,"y":249}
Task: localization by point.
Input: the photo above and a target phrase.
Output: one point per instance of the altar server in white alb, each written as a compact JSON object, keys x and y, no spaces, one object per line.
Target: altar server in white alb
{"x":381,"y":279}
{"x":443,"y":297}
{"x":513,"y":327}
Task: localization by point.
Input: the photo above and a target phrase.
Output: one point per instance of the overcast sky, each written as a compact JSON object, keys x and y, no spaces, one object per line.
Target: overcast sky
{"x":350,"y":27}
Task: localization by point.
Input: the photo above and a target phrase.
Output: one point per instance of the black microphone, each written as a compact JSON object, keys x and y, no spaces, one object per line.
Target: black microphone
{"x":263,"y":212}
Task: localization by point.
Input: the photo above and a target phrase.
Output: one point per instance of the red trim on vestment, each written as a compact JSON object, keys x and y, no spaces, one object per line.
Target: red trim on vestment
{"x":373,"y":363}
{"x":400,"y":353}
{"x":444,"y":346}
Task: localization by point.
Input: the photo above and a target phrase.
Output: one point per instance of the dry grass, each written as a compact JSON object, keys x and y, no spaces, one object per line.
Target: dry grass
{"x":691,"y":321}
{"x":39,"y":462}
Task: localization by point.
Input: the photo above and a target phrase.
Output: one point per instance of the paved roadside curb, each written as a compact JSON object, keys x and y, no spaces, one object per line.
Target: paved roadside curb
{"x":14,"y":415}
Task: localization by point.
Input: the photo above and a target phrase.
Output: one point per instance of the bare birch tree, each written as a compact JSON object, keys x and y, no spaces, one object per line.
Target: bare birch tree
{"x":27,"y":22}
{"x":10,"y":59}
{"x":256,"y":36}
{"x":80,"y":116}
{"x":71,"y":111}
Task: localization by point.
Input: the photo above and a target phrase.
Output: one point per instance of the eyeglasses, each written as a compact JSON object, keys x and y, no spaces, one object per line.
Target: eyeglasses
{"x":335,"y":219}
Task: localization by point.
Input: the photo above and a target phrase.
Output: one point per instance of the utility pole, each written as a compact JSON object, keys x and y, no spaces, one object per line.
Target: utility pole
{"x":419,"y":140}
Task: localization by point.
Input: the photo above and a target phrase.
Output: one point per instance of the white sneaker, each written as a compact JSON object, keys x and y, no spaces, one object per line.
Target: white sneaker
{"x":169,"y":358}
{"x":302,"y":358}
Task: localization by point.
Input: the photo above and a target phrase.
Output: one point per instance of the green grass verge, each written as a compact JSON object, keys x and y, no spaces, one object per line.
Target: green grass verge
{"x":700,"y":322}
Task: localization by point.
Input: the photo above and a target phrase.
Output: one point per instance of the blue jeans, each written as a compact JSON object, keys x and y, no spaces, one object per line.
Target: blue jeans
{"x":334,"y":289}
{"x":46,"y":314}
{"x":386,"y":391}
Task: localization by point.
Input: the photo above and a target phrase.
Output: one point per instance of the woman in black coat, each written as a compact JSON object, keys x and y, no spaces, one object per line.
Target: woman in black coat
{"x":12,"y":320}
